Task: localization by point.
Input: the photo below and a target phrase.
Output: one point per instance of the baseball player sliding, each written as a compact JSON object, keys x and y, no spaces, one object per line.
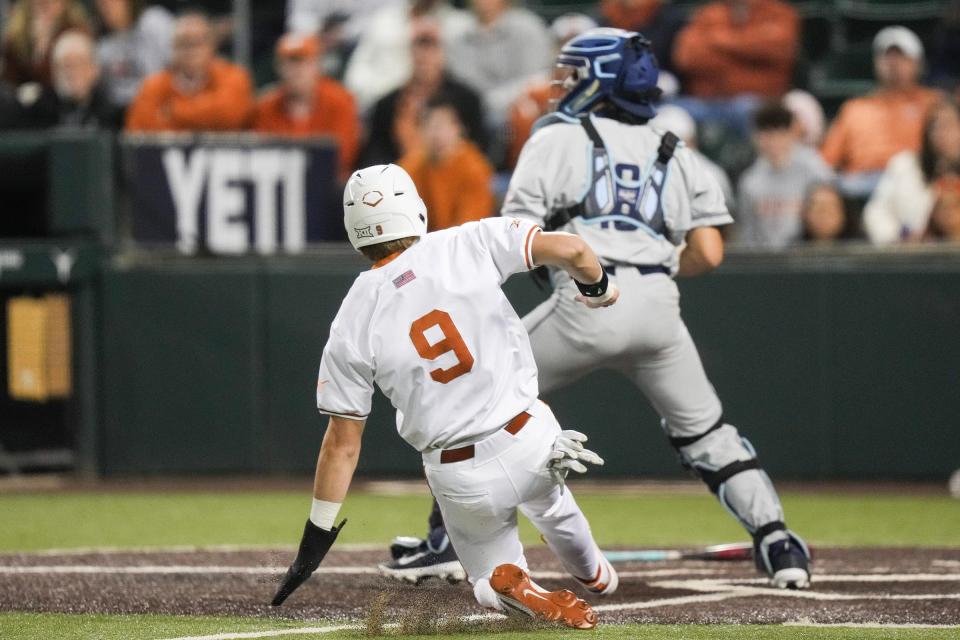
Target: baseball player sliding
{"x":429,"y":325}
{"x":636,"y":195}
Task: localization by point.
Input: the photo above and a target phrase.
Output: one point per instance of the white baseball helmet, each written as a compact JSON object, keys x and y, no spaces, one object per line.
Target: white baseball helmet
{"x":381,"y":203}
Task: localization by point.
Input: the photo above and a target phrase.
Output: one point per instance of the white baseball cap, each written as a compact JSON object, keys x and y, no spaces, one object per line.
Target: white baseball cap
{"x":808,"y":112}
{"x":900,"y":37}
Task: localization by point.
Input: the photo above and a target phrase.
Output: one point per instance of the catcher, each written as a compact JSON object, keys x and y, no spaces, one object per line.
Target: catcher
{"x":429,"y":324}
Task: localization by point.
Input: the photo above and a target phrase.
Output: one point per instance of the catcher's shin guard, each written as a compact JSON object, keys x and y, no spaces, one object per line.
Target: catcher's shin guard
{"x":728,"y":465}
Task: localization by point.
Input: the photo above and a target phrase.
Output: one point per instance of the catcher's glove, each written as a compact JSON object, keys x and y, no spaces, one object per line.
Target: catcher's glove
{"x":569,"y":454}
{"x":314,"y":546}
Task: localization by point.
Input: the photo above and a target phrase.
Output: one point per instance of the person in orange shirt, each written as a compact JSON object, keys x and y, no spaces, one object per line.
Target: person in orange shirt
{"x":738,"y":46}
{"x":199,"y":92}
{"x":451,"y":173}
{"x":306,"y":103}
{"x":870,"y":130}
{"x":732,"y":55}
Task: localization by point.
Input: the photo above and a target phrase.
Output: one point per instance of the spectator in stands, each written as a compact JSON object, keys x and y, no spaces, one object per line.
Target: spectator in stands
{"x":394,"y":124}
{"x":136,"y":44}
{"x":808,"y":116}
{"x":823,"y":215}
{"x":306,"y":103}
{"x":33,"y":27}
{"x":870,"y":130}
{"x":338,"y":25}
{"x":658,"y":20}
{"x":534,"y":100}
{"x":944,"y":223}
{"x":199,"y":92}
{"x":352,"y":16}
{"x":451,"y":174}
{"x":734,"y":53}
{"x":381,"y":61}
{"x":900,"y":206}
{"x":506,"y":48}
{"x":771,"y":191}
{"x":671,"y":117}
{"x":78,"y":99}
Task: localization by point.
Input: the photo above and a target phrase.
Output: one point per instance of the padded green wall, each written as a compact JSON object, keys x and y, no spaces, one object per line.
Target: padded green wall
{"x":843,"y":369}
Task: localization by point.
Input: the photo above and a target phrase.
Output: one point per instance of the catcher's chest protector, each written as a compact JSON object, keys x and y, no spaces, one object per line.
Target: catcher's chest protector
{"x":640,"y":200}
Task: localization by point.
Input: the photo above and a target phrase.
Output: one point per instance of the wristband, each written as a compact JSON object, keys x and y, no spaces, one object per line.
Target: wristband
{"x":323,"y":514}
{"x":596,"y":289}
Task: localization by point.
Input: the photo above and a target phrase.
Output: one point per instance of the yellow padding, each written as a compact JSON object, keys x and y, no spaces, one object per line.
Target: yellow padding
{"x":59,"y":346}
{"x":39,"y":348}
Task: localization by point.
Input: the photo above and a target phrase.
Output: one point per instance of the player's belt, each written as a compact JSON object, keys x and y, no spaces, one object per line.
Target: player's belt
{"x":465,"y":453}
{"x":643,"y":269}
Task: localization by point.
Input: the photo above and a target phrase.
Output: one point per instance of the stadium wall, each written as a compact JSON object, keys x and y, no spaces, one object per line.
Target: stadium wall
{"x":834,"y":367}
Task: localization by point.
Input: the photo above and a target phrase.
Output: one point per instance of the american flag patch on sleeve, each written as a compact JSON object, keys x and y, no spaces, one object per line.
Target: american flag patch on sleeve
{"x":404,"y":278}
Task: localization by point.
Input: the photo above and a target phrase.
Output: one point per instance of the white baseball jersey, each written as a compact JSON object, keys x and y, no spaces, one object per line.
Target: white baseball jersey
{"x":558,"y":168}
{"x":432,"y":328}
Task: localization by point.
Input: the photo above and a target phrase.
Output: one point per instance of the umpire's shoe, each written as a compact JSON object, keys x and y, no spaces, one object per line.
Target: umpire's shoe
{"x":785,"y":558}
{"x":415,"y":560}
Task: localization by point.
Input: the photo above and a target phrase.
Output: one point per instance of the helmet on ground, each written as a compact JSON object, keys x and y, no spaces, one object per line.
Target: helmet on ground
{"x":380,"y":204}
{"x":604,"y":68}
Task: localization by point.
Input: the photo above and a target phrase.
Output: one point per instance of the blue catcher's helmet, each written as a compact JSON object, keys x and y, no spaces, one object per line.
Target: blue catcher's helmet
{"x":608,"y":68}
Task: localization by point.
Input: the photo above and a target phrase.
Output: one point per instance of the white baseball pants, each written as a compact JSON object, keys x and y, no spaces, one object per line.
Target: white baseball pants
{"x":480,"y":497}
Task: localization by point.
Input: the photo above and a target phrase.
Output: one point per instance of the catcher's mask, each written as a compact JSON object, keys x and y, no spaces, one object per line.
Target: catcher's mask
{"x":603,"y":68}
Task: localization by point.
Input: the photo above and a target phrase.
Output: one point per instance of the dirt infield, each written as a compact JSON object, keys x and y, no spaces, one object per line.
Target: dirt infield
{"x":886,"y":586}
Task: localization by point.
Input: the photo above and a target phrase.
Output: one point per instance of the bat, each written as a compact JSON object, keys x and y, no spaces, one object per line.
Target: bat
{"x":717,"y":552}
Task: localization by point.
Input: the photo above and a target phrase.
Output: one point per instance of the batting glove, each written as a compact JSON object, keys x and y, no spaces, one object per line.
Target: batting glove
{"x":569,"y":454}
{"x":314,"y":545}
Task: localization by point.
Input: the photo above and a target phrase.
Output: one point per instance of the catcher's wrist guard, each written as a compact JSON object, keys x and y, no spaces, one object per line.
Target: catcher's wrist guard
{"x":314,"y":545}
{"x":596,"y":289}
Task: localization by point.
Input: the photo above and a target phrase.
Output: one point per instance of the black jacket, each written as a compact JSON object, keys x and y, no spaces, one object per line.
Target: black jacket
{"x":50,"y":110}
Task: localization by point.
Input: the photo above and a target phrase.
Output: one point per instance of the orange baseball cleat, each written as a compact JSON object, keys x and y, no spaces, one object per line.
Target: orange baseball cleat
{"x":518,"y":594}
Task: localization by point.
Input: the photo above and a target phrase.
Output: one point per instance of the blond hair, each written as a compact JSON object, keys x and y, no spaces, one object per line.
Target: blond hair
{"x":19,"y":32}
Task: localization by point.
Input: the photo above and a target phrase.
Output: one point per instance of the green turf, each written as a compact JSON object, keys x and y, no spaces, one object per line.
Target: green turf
{"x":31,"y":626}
{"x":41,"y":521}
{"x":60,"y":626}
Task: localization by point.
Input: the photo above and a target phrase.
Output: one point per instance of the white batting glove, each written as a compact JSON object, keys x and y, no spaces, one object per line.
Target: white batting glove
{"x":569,"y":454}
{"x":608,"y":298}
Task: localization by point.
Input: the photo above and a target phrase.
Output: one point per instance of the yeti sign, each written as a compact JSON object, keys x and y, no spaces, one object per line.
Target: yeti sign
{"x":229,"y":199}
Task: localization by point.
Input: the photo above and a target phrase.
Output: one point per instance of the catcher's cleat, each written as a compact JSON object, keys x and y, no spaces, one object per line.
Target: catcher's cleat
{"x":786,"y":561}
{"x":517,"y":594}
{"x":605,"y":582}
{"x":417,"y":563}
{"x":405,"y":545}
